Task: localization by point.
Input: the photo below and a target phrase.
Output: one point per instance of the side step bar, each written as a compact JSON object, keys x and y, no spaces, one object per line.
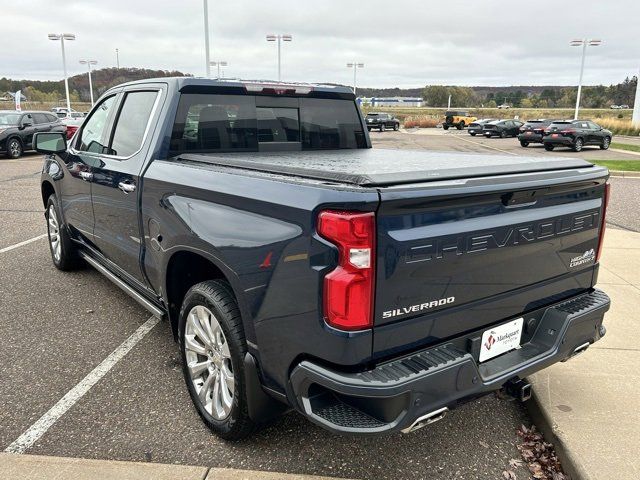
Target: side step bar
{"x":152,"y":308}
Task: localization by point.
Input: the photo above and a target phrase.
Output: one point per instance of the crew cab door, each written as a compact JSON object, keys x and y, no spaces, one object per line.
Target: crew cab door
{"x":79,"y":161}
{"x":116,"y":180}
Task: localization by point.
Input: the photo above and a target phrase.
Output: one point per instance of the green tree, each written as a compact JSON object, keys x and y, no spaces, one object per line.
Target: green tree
{"x":436,"y":95}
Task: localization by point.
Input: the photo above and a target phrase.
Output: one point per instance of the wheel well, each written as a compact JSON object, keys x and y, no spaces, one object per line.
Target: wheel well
{"x":47,"y":191}
{"x":186,"y":269}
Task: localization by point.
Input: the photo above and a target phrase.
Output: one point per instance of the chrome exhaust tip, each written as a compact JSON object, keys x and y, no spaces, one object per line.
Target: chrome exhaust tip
{"x":427,"y":419}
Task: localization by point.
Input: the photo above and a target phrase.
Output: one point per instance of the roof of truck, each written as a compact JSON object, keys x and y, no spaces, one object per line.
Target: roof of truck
{"x":225,"y":83}
{"x":383,"y":167}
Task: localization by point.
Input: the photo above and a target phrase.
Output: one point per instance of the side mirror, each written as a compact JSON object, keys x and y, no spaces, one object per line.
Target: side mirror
{"x":50,"y":142}
{"x":25,"y":125}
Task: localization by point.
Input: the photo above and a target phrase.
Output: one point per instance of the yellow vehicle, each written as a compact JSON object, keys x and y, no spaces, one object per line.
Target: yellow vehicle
{"x":458,"y":119}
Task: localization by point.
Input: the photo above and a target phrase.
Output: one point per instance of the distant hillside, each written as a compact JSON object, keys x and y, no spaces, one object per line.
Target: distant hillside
{"x":102,"y":80}
{"x":526,"y":96}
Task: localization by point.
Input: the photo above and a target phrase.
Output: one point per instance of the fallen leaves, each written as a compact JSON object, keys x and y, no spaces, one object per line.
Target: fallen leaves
{"x":539,"y":456}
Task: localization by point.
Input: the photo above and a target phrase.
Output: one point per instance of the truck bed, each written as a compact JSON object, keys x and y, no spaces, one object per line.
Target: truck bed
{"x":383,"y":167}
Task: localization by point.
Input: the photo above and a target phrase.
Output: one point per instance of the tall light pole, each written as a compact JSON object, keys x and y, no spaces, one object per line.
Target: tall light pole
{"x":279,"y":38}
{"x":88,"y":63}
{"x":355,"y":66}
{"x":118,"y":58}
{"x":584,"y":43}
{"x":206,"y":37}
{"x":62,"y":37}
{"x":218,"y":64}
{"x":635,"y":120}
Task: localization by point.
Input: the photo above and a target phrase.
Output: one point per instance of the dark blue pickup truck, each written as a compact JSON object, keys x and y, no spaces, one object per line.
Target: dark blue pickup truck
{"x":370,"y":290}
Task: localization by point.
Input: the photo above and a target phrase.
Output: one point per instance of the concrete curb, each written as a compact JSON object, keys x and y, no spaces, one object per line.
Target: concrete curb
{"x":29,"y":467}
{"x":626,"y":152}
{"x":543,"y":420}
{"x":624,"y":174}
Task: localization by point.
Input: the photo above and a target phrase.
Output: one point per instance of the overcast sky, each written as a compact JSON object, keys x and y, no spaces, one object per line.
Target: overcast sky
{"x":402,"y":43}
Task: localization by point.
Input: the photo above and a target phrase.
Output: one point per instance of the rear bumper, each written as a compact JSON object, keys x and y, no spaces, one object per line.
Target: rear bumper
{"x":558,"y":140}
{"x":408,"y":392}
{"x":531,"y":138}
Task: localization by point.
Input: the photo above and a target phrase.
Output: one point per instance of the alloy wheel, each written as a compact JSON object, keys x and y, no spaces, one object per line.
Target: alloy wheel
{"x":15,"y":150}
{"x":209,"y":362}
{"x":578,"y":145}
{"x":54,"y":233}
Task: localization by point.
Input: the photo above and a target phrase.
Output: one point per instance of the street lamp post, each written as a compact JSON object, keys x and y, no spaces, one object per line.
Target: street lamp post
{"x":218,"y":64}
{"x":88,"y":63}
{"x":206,"y":37}
{"x":118,"y":58}
{"x":279,"y":39}
{"x":584,"y":43}
{"x":355,"y":66}
{"x":62,"y":37}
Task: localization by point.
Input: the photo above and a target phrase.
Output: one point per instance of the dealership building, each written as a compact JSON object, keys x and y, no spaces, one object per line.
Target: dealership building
{"x":392,"y":101}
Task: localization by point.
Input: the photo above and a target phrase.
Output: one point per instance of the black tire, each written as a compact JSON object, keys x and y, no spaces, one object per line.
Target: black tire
{"x":606,"y":143}
{"x":396,"y":127}
{"x":503,"y":134}
{"x":524,"y":144}
{"x":487,"y":135}
{"x":217,"y":296}
{"x":548,"y":147}
{"x":460,"y":125}
{"x":577,"y":145}
{"x":446,"y":127}
{"x":14,"y":148}
{"x":368,"y":129}
{"x":67,"y":257}
{"x":382,"y":128}
{"x":473,"y":134}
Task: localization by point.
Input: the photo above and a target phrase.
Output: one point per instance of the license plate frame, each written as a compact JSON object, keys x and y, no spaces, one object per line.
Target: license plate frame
{"x":501,"y":339}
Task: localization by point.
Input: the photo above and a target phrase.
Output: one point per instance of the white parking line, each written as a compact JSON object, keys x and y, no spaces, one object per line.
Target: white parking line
{"x":40,"y":427}
{"x":486,"y":146}
{"x":22,"y":244}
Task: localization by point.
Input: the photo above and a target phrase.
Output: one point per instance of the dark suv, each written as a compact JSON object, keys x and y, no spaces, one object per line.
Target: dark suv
{"x":576,"y":134}
{"x":17,"y":129}
{"x":382,"y":121}
{"x":533,"y":131}
{"x":502,"y":128}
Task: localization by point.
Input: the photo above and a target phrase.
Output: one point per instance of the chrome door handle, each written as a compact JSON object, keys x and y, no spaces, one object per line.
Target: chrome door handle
{"x":86,"y":176}
{"x":127,"y":187}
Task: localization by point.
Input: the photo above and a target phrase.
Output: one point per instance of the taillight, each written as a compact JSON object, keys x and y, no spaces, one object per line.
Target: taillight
{"x":605,"y":203}
{"x":569,"y":130}
{"x":70,"y":131}
{"x":349,"y":289}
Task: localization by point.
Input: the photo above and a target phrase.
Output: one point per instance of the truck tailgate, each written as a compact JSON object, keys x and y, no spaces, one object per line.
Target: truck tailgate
{"x":447,"y":252}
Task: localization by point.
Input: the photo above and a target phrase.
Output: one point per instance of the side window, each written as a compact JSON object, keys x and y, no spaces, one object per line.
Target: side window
{"x":94,"y":128}
{"x":593,"y":126}
{"x":132,"y":123}
{"x":52,"y":118}
{"x":26,"y":119}
{"x":40,"y":118}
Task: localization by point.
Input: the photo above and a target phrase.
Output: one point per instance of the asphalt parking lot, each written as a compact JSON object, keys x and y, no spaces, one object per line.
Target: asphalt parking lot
{"x":57,"y":327}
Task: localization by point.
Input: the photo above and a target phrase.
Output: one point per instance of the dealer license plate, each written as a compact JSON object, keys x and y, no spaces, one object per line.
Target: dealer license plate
{"x":501,"y":339}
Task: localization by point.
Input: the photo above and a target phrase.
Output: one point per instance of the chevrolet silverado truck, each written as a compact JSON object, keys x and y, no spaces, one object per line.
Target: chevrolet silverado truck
{"x":371,"y":290}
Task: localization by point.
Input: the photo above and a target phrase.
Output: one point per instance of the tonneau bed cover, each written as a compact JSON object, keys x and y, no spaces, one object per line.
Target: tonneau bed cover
{"x":381,"y":167}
